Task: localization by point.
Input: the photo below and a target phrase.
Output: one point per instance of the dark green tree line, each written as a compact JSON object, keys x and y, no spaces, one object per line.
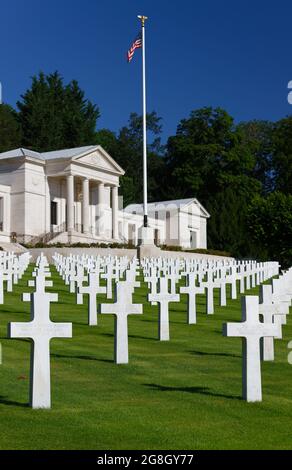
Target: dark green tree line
{"x":53,"y":115}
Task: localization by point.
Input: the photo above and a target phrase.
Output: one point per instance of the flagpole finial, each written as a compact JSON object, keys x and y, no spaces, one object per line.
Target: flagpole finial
{"x":143,"y":19}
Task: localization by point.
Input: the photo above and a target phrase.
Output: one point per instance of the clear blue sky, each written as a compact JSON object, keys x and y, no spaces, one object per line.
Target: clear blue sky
{"x":234,"y":54}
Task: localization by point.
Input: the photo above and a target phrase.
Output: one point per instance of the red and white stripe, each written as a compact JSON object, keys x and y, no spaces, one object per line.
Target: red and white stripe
{"x":137,"y":44}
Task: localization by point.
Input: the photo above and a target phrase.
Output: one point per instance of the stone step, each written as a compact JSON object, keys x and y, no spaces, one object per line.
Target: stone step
{"x":15,"y":247}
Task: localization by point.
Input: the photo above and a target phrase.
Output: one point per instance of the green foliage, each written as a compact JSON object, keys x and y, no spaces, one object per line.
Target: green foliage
{"x":129,"y":154}
{"x":282,"y":142}
{"x":210,"y":158}
{"x":107,"y":139}
{"x":208,"y":148}
{"x":270,"y":226}
{"x":55,"y":116}
{"x":258,"y":136}
{"x":10,"y":131}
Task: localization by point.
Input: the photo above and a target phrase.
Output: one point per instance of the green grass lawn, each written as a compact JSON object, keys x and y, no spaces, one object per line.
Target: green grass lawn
{"x":183,"y":394}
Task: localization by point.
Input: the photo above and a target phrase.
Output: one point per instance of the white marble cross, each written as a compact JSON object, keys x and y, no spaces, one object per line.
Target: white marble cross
{"x":210,"y":285}
{"x":41,"y":330}
{"x":77,"y":278}
{"x":1,"y":288}
{"x":280,"y":296}
{"x":267,"y":310}
{"x":174,"y":278}
{"x":131,"y":279}
{"x":7,"y":276}
{"x":192,"y":290}
{"x":121,"y":308}
{"x":232,"y":279}
{"x":242,"y":279}
{"x":109,"y":276}
{"x":40,"y":283}
{"x":247,"y":276}
{"x":152,"y":281}
{"x":223,"y":301}
{"x":251,"y":330}
{"x":92,"y":290}
{"x":163,"y":297}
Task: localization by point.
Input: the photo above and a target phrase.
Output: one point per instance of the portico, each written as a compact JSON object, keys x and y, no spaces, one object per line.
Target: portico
{"x":82,"y":204}
{"x":69,"y":195}
{"x":85,"y":199}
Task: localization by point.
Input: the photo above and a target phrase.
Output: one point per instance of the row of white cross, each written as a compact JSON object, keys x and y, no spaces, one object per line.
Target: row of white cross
{"x":162,"y":276}
{"x":12,"y":269}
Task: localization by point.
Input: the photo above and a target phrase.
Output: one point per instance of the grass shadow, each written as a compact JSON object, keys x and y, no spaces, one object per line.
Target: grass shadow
{"x":4,"y":401}
{"x":82,"y":358}
{"x":142,"y":337}
{"x":201,"y":353}
{"x":196,"y":390}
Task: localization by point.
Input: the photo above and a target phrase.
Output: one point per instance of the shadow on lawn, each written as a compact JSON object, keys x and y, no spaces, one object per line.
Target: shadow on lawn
{"x":4,"y":401}
{"x":82,"y":358}
{"x":198,"y":390}
{"x":111,"y":335}
{"x":201,"y":353}
{"x":142,"y":337}
{"x":154,"y":320}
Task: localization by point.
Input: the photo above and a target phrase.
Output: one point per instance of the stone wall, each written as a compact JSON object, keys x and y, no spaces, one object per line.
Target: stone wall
{"x":49,"y":252}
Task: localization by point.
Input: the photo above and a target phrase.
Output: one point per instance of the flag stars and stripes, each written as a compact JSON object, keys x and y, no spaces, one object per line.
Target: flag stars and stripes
{"x":137,"y":44}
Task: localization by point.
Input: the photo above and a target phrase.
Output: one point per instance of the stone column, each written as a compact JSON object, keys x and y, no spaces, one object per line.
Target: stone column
{"x":100,"y":209}
{"x":115,"y":211}
{"x":48,"y":206}
{"x":85,"y":205}
{"x":70,"y":203}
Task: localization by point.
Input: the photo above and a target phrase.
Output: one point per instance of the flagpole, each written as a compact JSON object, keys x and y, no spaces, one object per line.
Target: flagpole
{"x":145,"y":202}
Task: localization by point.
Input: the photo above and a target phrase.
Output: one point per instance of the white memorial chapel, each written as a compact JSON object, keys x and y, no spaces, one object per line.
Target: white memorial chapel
{"x":71,"y":196}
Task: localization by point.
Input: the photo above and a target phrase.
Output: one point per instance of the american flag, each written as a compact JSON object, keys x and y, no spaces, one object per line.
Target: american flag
{"x":137,"y":44}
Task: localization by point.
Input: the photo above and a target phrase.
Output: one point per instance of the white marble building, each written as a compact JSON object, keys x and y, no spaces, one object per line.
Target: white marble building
{"x":183,"y":222}
{"x":71,"y":196}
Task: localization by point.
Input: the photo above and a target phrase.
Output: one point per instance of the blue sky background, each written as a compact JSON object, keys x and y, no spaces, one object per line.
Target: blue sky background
{"x":234,"y":54}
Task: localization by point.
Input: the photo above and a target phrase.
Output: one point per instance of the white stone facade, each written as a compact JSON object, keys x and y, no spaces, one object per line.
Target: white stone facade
{"x":71,"y":196}
{"x":181,"y":223}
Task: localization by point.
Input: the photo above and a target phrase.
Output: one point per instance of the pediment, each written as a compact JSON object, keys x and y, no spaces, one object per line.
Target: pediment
{"x":197,"y":209}
{"x":100,"y":159}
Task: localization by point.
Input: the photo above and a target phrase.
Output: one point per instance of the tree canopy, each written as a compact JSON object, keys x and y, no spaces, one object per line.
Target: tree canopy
{"x":10,"y":129}
{"x":55,"y":116}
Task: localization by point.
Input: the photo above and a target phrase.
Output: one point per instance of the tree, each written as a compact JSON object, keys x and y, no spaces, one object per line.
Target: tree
{"x":209,"y":158}
{"x":10,"y":132}
{"x":282,"y":158}
{"x":129,"y":154}
{"x":108,"y":140}
{"x":55,"y":116}
{"x":258,"y":136}
{"x":207,"y":148}
{"x":269,"y":222}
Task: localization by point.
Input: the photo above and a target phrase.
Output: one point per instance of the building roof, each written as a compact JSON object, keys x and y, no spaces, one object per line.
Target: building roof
{"x":66,"y":153}
{"x":21,"y":152}
{"x":177,"y":203}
